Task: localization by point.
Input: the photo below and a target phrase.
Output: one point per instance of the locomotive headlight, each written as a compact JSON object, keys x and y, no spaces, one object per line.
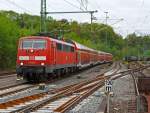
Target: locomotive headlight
{"x":42,"y":64}
{"x":21,"y":63}
{"x":31,"y":50}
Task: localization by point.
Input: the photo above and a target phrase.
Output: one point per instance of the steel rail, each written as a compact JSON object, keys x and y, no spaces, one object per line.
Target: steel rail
{"x":77,"y":88}
{"x":7,"y":76}
{"x":131,"y":70}
{"x":66,"y":106}
{"x":52,"y":91}
{"x":15,"y":91}
{"x":78,"y":98}
{"x":65,"y":92}
{"x":58,"y":93}
{"x":7,"y":73}
{"x":135,"y":84}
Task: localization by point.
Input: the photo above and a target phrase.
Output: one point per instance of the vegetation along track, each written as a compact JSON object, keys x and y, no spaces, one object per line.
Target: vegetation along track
{"x":66,"y":96}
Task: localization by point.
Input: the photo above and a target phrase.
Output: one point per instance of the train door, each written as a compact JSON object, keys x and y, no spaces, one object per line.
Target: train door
{"x":78,"y":58}
{"x":53,"y":53}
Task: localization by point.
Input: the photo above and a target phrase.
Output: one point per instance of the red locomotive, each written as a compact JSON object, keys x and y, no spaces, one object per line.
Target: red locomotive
{"x":40,"y":57}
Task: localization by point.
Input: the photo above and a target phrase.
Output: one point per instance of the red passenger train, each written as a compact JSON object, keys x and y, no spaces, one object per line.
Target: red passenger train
{"x":40,"y":57}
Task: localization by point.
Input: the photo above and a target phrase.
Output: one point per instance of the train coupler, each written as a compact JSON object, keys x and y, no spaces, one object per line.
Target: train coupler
{"x":19,"y":77}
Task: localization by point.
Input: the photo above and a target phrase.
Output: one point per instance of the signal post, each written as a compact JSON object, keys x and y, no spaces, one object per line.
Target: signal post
{"x":108,"y":92}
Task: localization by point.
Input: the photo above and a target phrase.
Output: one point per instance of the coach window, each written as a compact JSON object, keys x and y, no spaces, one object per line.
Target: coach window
{"x":59,"y":46}
{"x":68,"y":48}
{"x":65,"y":48}
{"x":72,"y":49}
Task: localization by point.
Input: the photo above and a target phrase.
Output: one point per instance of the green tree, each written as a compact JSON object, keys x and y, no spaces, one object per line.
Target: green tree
{"x":9,"y":33}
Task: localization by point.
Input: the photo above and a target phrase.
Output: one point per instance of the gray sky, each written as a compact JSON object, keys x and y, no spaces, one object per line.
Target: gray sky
{"x":136,"y":13}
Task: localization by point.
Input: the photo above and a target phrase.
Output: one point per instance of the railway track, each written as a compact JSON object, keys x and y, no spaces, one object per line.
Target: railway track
{"x":8,"y":81}
{"x":7,"y":76}
{"x":12,"y":90}
{"x":62,"y":99}
{"x":67,"y":96}
{"x":7,"y":72}
{"x":4,"y":91}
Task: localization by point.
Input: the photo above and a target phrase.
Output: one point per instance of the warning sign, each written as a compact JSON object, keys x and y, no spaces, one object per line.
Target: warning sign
{"x":108,"y":85}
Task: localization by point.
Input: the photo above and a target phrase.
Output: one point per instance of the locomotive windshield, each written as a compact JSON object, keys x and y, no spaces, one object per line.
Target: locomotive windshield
{"x":33,"y":44}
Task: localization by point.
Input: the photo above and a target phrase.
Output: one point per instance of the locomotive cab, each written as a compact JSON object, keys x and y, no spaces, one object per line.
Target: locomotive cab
{"x":31,"y":56}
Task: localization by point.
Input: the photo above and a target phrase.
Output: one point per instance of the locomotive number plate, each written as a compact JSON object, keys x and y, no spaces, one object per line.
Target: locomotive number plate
{"x":31,"y":62}
{"x":31,"y":57}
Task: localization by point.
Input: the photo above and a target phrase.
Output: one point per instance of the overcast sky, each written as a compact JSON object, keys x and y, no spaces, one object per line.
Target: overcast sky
{"x":136,"y":13}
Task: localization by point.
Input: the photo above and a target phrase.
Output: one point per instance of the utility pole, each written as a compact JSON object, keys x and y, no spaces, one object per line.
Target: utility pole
{"x":106,"y":13}
{"x":43,"y":16}
{"x":92,"y":18}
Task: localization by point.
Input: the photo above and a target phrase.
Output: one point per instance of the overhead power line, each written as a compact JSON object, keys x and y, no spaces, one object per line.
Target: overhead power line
{"x":84,"y":4}
{"x":50,"y":6}
{"x":90,"y":12}
{"x":20,"y":7}
{"x":6,"y":3}
{"x":44,"y":14}
{"x":72,"y":12}
{"x":79,"y":3}
{"x":73,"y":5}
{"x":119,"y":20}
